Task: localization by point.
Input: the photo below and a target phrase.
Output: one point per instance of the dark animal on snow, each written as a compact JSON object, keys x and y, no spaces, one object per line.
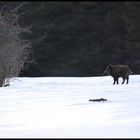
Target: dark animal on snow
{"x":98,"y":100}
{"x":118,"y":71}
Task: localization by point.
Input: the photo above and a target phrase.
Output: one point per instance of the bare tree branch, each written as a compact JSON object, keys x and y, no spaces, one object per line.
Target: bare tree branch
{"x":13,"y":49}
{"x":19,"y":6}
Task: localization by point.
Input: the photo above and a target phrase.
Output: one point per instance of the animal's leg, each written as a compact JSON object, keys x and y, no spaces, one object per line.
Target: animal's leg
{"x":114,"y":81}
{"x":127,"y":80}
{"x":117,"y":81}
{"x":123,"y":80}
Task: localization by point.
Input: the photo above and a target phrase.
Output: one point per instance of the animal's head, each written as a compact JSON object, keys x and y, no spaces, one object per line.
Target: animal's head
{"x":107,"y":70}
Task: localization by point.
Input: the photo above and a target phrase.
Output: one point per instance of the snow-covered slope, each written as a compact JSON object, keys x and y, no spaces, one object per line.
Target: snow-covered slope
{"x":59,"y":107}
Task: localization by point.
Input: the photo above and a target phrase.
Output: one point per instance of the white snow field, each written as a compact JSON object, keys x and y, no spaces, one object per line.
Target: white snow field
{"x":59,"y":107}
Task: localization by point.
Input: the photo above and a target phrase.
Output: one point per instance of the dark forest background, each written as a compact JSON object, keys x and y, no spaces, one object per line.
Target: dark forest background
{"x":79,"y":38}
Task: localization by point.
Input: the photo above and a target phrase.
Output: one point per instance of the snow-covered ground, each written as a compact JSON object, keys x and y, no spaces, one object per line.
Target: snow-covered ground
{"x":59,"y":107}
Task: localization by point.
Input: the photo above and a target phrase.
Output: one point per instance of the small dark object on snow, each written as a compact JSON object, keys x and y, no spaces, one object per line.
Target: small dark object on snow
{"x":98,"y":100}
{"x":6,"y":85}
